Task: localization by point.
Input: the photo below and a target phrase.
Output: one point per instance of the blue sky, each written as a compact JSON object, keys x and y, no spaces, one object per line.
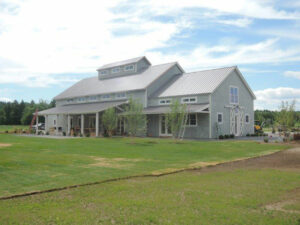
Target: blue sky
{"x":46,"y":46}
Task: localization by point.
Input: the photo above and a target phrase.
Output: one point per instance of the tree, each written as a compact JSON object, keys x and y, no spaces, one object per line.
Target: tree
{"x":176,"y":117}
{"x":286,"y":116}
{"x":136,"y":121}
{"x":109,"y":120}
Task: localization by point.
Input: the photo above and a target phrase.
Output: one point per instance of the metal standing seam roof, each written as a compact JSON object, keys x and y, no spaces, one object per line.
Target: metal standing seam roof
{"x":193,"y":108}
{"x":200,"y":82}
{"x":94,"y":86}
{"x":81,"y":108}
{"x":124,"y":62}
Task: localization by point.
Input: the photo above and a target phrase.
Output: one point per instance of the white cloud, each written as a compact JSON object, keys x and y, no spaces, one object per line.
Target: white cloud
{"x":231,"y":54}
{"x":244,"y":22}
{"x":271,"y":98}
{"x":4,"y":99}
{"x":249,"y":8}
{"x":294,"y":74}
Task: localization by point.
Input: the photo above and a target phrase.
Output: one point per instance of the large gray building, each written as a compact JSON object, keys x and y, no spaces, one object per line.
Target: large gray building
{"x":219,"y":101}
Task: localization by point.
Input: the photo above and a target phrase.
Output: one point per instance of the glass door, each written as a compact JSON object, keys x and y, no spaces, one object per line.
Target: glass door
{"x":164,"y":128}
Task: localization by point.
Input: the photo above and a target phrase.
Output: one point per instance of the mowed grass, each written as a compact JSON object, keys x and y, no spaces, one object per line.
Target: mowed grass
{"x":33,"y":163}
{"x":11,"y":128}
{"x":227,"y":197}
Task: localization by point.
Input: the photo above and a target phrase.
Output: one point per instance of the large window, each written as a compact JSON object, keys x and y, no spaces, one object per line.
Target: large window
{"x":106,"y":97}
{"x":93,"y":98}
{"x":129,"y":68}
{"x":82,"y":99}
{"x":115,"y":70}
{"x":70,"y":100}
{"x":191,"y":120}
{"x":220,"y":118}
{"x":234,"y":95}
{"x":165,"y":101}
{"x":189,"y":100}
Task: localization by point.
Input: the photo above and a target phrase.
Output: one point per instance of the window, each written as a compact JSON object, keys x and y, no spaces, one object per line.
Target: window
{"x":220,"y":118}
{"x":115,"y":70}
{"x":82,"y":99}
{"x":165,"y":101}
{"x":70,"y":100}
{"x":189,"y":100}
{"x":129,"y":68}
{"x":93,"y":98}
{"x":103,"y":72}
{"x":121,"y":95}
{"x":191,"y":120}
{"x":106,"y":97}
{"x":247,"y":119}
{"x":234,"y":96}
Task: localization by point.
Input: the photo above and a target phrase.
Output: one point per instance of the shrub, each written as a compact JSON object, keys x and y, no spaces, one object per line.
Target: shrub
{"x":47,"y":133}
{"x":226,"y":136}
{"x":231,"y":135}
{"x":297,"y":137}
{"x":266,"y":139}
{"x":285,"y":139}
{"x":64,"y":133}
{"x":248,"y":135}
{"x":81,"y":135}
{"x":221,"y":137}
{"x":273,"y":130}
{"x":6,"y":131}
{"x":74,"y":134}
{"x":88,"y":135}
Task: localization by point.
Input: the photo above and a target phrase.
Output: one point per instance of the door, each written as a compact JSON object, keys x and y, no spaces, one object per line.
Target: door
{"x":164,"y":128}
{"x":237,"y":124}
{"x":121,"y":126}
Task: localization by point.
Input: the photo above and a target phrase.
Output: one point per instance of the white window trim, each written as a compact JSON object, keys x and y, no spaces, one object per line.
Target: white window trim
{"x":167,"y":99}
{"x":189,"y":125}
{"x":189,"y":99}
{"x":121,"y":97}
{"x":220,"y":113}
{"x":103,"y":72}
{"x":112,"y":70}
{"x":238,"y":91}
{"x":133,"y":67}
{"x":248,"y":118}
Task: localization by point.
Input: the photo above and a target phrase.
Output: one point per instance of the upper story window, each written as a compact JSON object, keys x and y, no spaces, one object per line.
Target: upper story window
{"x":165,"y":101}
{"x":103,"y":72}
{"x":70,"y":100}
{"x":82,"y":99}
{"x":191,"y":120}
{"x":220,"y":118}
{"x":129,"y":68}
{"x":247,"y":118}
{"x":189,"y":100}
{"x":234,"y":95}
{"x":93,"y":98}
{"x":121,"y":95}
{"x":106,"y":97}
{"x":115,"y":70}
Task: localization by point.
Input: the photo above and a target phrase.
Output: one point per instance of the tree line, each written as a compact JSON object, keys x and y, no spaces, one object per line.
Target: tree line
{"x":17,"y":113}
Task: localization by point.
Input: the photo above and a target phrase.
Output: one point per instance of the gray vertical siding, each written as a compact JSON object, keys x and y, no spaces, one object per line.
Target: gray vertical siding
{"x":220,"y":98}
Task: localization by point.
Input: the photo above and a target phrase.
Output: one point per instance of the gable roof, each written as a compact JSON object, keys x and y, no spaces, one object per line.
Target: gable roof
{"x":200,"y":82}
{"x":124,"y":62}
{"x":94,"y":86}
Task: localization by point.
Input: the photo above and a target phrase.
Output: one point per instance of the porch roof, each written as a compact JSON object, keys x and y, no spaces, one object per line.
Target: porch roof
{"x":194,"y":108}
{"x":81,"y":108}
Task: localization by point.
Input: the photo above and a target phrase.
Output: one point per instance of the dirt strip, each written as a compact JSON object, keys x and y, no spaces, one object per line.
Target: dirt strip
{"x":287,"y":159}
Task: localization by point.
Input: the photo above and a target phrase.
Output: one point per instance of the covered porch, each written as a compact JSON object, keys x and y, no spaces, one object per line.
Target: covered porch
{"x":79,"y":119}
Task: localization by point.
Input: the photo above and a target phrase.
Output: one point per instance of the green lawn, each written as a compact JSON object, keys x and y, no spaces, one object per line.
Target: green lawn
{"x":11,"y":128}
{"x":227,"y":197}
{"x":31,"y":164}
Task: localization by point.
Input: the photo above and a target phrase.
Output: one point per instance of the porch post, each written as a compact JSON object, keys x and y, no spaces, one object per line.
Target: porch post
{"x":82,"y":124}
{"x":37,"y":125}
{"x":46,"y":123}
{"x":97,"y":124}
{"x":56,"y":125}
{"x":69,"y":125}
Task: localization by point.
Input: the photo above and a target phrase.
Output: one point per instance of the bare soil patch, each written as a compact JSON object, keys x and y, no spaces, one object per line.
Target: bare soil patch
{"x":5,"y":145}
{"x":285,"y":160}
{"x":113,"y":162}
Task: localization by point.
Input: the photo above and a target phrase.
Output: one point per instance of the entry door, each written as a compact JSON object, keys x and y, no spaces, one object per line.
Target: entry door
{"x":164,"y":128}
{"x":237,"y":124}
{"x":121,"y":126}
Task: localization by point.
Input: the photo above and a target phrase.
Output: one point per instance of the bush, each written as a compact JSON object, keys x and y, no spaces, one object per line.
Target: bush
{"x":248,"y":135}
{"x":75,"y":134}
{"x":88,"y":135}
{"x":297,"y":137}
{"x":221,"y":137}
{"x":81,"y":135}
{"x":64,"y":133}
{"x":47,"y":133}
{"x":231,"y":135}
{"x":226,"y":136}
{"x":266,"y":139}
{"x":6,"y":131}
{"x":273,"y":130}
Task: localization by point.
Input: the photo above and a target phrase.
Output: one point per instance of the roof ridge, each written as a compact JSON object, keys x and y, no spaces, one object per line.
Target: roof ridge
{"x":212,"y":69}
